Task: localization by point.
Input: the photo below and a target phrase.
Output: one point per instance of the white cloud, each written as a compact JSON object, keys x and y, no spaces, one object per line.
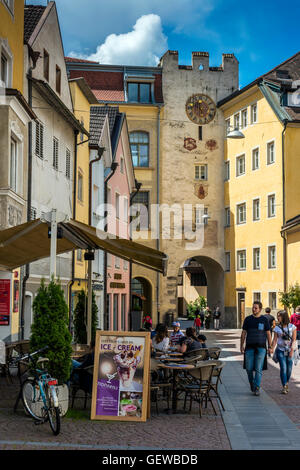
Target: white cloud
{"x":144,"y":45}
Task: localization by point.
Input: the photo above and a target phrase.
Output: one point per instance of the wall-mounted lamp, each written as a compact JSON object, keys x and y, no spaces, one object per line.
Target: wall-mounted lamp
{"x":235,"y":133}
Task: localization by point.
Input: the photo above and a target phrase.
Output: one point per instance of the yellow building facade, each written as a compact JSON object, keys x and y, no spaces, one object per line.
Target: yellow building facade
{"x":261,"y":194}
{"x":82,"y":98}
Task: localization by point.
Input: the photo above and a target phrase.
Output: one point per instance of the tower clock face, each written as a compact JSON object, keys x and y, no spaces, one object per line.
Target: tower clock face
{"x":200,"y":109}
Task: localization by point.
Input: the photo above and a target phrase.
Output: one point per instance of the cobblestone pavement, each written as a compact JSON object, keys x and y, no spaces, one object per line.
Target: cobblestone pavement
{"x":17,"y":431}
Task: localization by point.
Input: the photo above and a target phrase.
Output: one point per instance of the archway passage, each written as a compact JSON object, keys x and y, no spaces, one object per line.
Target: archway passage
{"x":197,"y":276}
{"x":141,"y":292}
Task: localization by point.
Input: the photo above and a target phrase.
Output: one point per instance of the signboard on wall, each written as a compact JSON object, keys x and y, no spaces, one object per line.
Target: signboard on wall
{"x":4,"y":301}
{"x":121,"y":376}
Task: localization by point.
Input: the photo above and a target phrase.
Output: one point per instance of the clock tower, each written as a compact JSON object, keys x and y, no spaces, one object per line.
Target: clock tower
{"x":192,"y":173}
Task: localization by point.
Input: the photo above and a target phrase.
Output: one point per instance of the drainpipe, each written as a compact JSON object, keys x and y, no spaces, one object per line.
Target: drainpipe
{"x":158,"y":201}
{"x":74,"y":218}
{"x":29,"y":197}
{"x":285,"y":122}
{"x":114,"y":166}
{"x":138,"y":187}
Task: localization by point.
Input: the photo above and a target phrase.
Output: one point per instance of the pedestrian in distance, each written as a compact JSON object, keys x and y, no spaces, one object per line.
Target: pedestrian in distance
{"x":216,"y":318}
{"x":285,"y":338}
{"x":202,"y":317}
{"x":197,"y":324}
{"x":207,"y":316}
{"x":295,"y":320}
{"x":256,"y":331}
{"x":270,"y":318}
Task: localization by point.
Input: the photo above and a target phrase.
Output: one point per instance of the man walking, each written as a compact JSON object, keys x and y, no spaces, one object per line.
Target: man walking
{"x":216,"y":317}
{"x":256,"y":330}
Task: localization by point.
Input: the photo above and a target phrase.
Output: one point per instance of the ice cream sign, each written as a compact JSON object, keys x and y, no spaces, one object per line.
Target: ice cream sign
{"x":121,"y":376}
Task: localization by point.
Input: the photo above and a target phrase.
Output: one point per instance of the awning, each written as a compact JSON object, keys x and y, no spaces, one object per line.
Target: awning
{"x":29,"y":242}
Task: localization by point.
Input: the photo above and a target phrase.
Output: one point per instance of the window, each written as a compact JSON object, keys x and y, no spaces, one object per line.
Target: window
{"x":271,"y":205}
{"x":108,"y":260}
{"x":244,"y":118}
{"x":139,"y":144}
{"x":125,"y":203}
{"x":272,"y":257}
{"x":55,"y":154}
{"x":142,"y":199}
{"x":236,"y":120}
{"x":117,"y":205}
{"x":256,"y":258}
{"x":46,"y":65}
{"x":58,"y":79}
{"x":273,"y":300}
{"x":80,"y":187}
{"x":123,"y":310}
{"x":200,"y":216}
{"x":255,"y":159}
{"x":227,"y":216}
{"x":4,"y":70}
{"x":39,"y":140}
{"x":79,"y":255}
{"x":13,"y":164}
{"x":68,"y":164}
{"x":241,"y":260}
{"x":117,"y":262}
{"x":256,"y":209}
{"x":256,"y":297}
{"x":240,"y":165}
{"x":227,"y":171}
{"x":122,"y":165}
{"x":227,"y":124}
{"x":200,"y":172}
{"x":139,"y":92}
{"x":227,"y":261}
{"x":254,"y":113}
{"x":125,"y":265}
{"x":241,"y":213}
{"x":270,"y":153}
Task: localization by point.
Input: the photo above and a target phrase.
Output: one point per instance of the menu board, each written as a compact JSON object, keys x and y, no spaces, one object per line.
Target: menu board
{"x":4,"y":301}
{"x":121,"y":376}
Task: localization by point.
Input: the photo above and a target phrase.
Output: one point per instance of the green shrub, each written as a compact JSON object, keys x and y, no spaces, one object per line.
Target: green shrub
{"x":291,"y":298}
{"x":50,"y":328}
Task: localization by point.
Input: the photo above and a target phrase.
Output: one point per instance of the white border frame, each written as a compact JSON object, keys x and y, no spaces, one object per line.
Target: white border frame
{"x":269,"y":246}
{"x":237,"y":263}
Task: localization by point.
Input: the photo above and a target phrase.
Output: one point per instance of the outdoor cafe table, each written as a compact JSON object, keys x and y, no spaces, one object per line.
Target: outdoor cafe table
{"x":175,"y":369}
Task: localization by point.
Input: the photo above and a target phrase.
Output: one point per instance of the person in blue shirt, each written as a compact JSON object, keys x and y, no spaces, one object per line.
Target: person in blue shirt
{"x":256,"y":331}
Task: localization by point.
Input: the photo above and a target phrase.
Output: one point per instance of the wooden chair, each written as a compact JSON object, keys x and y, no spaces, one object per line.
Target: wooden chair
{"x":195,"y":356}
{"x":199,"y":389}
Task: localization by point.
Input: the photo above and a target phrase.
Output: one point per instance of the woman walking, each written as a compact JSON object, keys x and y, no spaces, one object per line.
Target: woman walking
{"x":285,"y":335}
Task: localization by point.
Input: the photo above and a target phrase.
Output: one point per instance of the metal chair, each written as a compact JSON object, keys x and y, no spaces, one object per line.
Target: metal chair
{"x":85,"y":382}
{"x":216,"y":379}
{"x":214,"y":353}
{"x":200,"y":386}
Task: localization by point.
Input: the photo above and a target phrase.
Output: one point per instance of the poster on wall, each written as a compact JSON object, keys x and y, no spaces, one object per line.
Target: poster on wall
{"x":4,"y":301}
{"x":121,"y":376}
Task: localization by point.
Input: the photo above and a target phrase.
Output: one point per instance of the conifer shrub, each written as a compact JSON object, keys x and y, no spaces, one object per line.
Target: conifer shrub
{"x":80,"y":318}
{"x":50,"y":328}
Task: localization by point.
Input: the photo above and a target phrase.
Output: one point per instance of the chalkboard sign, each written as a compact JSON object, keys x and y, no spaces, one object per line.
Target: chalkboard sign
{"x":121,"y":376}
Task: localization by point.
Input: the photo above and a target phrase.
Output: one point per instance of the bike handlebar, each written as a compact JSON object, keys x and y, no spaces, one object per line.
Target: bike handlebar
{"x":29,"y":356}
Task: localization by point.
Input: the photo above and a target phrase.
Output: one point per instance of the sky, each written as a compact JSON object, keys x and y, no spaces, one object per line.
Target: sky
{"x":261,"y":33}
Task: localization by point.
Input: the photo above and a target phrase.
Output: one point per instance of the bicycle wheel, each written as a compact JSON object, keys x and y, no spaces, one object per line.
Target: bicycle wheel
{"x":54,"y":419}
{"x":32,"y":399}
{"x":53,"y":413}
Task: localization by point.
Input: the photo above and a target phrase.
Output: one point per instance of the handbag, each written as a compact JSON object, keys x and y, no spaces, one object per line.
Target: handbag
{"x":274,"y":357}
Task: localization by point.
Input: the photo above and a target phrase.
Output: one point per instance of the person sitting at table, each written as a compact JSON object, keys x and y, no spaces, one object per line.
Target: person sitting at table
{"x":161,"y":340}
{"x":191,"y":342}
{"x":202,"y":339}
{"x":80,"y":376}
{"x":176,"y":333}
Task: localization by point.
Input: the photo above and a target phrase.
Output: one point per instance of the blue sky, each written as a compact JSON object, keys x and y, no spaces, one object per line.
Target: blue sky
{"x":261,"y":33}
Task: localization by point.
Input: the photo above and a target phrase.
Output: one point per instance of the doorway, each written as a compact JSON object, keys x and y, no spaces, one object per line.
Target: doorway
{"x":241,"y":307}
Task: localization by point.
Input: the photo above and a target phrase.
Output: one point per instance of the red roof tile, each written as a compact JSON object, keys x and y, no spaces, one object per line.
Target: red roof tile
{"x":109,"y":95}
{"x":81,"y":61}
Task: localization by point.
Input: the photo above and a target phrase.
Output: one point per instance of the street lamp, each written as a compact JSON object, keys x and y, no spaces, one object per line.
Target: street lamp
{"x":235,"y":133}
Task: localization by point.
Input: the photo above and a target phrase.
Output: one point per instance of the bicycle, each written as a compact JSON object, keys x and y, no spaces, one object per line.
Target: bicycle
{"x":38,"y":393}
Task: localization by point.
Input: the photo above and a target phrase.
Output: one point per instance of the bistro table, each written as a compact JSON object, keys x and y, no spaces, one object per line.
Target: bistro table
{"x":175,"y":368}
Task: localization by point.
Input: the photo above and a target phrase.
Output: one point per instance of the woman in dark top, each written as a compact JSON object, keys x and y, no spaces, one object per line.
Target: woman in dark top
{"x":191,"y":342}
